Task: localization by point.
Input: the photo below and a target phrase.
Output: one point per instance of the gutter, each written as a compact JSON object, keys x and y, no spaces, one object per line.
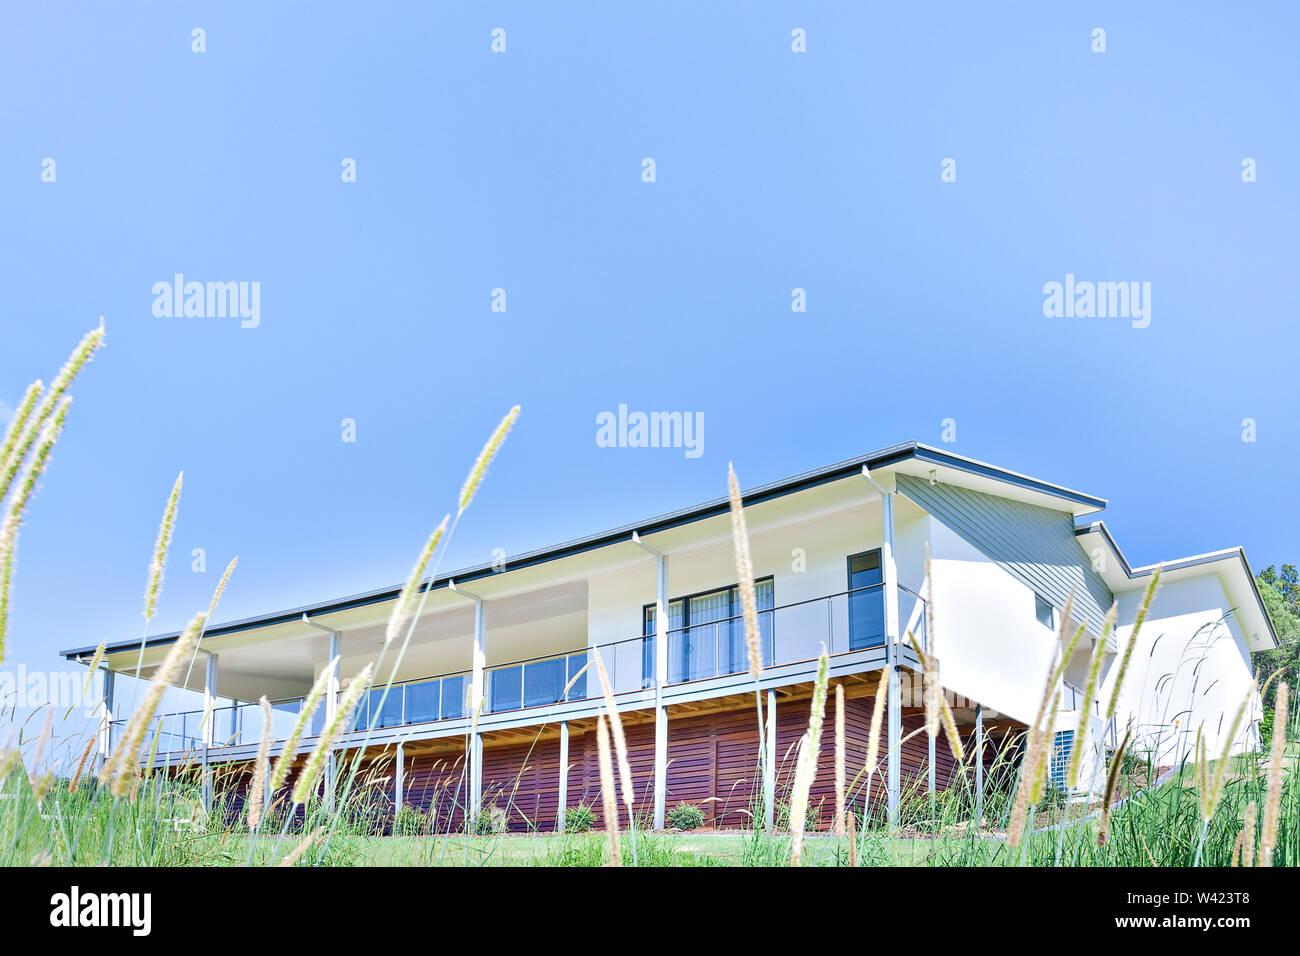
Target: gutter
{"x":882,"y":458}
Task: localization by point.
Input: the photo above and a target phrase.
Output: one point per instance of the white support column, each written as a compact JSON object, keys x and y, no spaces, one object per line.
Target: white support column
{"x":889,"y":574}
{"x":562,"y":803}
{"x":399,"y":780}
{"x":979,"y":764}
{"x":106,"y":721}
{"x":930,"y":774}
{"x":476,"y":778}
{"x":661,"y":680}
{"x":661,"y":709}
{"x":769,"y":768}
{"x":478,"y":679}
{"x":477,"y":694}
{"x":209,"y":725}
{"x":332,"y":708}
{"x":478,"y":683}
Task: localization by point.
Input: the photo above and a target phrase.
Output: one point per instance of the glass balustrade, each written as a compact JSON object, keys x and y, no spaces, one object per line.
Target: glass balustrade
{"x":789,"y":634}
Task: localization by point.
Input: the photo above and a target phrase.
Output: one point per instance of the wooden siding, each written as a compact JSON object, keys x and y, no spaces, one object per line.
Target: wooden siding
{"x":713,"y":762}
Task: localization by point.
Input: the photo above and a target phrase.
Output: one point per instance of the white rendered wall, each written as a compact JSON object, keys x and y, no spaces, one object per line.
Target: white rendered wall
{"x":1190,"y":670}
{"x":990,"y":645}
{"x":807,"y":561}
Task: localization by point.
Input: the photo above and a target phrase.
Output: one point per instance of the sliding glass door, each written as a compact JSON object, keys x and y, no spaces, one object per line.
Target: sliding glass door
{"x":706,"y":635}
{"x":866,"y":601}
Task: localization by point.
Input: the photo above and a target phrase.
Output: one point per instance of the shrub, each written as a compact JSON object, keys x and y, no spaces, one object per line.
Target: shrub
{"x":686,"y":816}
{"x":489,"y":820}
{"x":410,"y":821}
{"x":579,"y":819}
{"x":1266,"y":731}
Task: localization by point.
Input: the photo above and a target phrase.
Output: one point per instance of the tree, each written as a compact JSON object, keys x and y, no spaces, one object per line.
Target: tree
{"x":1280,"y":590}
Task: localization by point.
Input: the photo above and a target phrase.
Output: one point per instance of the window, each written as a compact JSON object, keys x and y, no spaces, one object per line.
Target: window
{"x":706,"y":635}
{"x":866,"y":601}
{"x":1062,"y":744}
{"x":1071,"y":696}
{"x":1045,"y":613}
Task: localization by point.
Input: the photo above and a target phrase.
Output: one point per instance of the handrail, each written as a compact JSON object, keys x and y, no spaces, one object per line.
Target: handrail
{"x":559,"y":655}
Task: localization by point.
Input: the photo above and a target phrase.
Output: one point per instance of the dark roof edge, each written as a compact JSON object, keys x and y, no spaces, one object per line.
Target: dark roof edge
{"x":1192,"y":562}
{"x":882,"y":458}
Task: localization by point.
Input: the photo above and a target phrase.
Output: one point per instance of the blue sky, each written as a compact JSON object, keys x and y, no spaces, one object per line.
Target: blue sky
{"x":522,"y":170}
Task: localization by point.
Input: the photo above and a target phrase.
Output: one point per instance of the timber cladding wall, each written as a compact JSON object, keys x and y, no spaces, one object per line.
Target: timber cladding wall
{"x":713,"y":762}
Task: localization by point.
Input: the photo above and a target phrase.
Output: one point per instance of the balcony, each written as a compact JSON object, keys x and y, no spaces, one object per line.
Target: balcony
{"x":791,"y":634}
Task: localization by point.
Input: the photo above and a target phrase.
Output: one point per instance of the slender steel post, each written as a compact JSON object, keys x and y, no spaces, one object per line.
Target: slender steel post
{"x":769,"y":768}
{"x":106,"y":723}
{"x":562,"y":806}
{"x":931,"y":774}
{"x":661,"y":678}
{"x":331,"y":708}
{"x":399,"y":780}
{"x":477,"y":684}
{"x":209,"y":728}
{"x":979,"y":764}
{"x":476,"y":780}
{"x":890,"y":577}
{"x":331,"y":697}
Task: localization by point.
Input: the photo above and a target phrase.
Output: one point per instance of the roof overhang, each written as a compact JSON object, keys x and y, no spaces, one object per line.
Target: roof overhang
{"x":1229,"y":564}
{"x":909,"y":457}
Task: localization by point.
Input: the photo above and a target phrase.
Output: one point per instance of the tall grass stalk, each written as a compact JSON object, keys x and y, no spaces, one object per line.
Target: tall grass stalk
{"x":13,"y":514}
{"x":1273,"y":800}
{"x":620,"y":748}
{"x":749,"y":614}
{"x":608,"y":795}
{"x":806,"y":764}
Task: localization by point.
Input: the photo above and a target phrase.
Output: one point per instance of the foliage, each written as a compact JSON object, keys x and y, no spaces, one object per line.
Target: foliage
{"x":579,"y":819}
{"x":1280,"y":589}
{"x":410,"y":821}
{"x":489,"y":820}
{"x":686,"y":816}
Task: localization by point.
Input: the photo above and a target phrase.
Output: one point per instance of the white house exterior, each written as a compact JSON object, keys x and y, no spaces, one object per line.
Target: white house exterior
{"x":839,"y":556}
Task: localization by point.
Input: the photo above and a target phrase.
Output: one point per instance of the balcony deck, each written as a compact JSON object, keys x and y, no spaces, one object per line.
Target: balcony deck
{"x":706,"y":661}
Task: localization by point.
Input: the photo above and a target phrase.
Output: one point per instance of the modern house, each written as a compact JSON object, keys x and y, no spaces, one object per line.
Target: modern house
{"x":840,"y":562}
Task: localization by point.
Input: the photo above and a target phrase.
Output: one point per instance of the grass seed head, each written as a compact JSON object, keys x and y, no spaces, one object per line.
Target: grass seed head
{"x":485,"y":457}
{"x":309,"y":705}
{"x":325,"y":745}
{"x":616,"y":727}
{"x":160,"y":547}
{"x":806,"y":763}
{"x":608,"y":794}
{"x":120,"y":769}
{"x":744,"y":575}
{"x":1122,"y":672}
{"x":1277,"y":757}
{"x":404,"y":609}
{"x":257,"y":790}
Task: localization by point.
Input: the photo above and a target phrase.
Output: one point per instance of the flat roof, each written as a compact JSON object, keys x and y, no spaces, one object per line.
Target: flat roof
{"x":882,"y":458}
